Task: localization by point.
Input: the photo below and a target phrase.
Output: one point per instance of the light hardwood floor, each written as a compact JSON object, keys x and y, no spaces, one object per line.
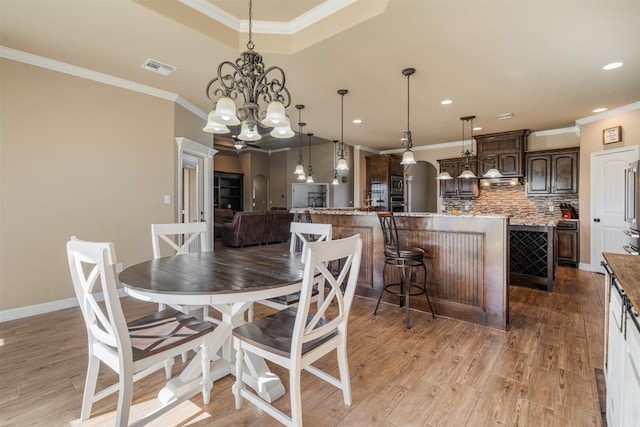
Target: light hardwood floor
{"x":441,"y":372}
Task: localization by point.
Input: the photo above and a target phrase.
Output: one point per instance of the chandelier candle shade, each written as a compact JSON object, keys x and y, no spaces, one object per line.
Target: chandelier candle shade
{"x":342,"y":148}
{"x":258,"y":86}
{"x":407,"y":157}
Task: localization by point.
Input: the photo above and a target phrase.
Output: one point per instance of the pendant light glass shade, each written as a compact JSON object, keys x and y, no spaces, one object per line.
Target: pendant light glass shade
{"x":444,"y":175}
{"x":408,"y":158}
{"x":466,"y":174}
{"x":249,"y":133}
{"x":299,"y":170}
{"x":275,"y":115}
{"x":335,"y":181}
{"x":342,"y":165}
{"x":310,"y":180}
{"x":225,"y":112}
{"x":302,"y":177}
{"x":492,"y":173}
{"x":214,"y":127}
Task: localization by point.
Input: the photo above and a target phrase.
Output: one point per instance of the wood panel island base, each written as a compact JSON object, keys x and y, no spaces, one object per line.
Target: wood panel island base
{"x":467,"y":260}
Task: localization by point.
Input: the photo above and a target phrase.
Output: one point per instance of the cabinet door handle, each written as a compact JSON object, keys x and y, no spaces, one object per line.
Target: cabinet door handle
{"x":596,"y":219}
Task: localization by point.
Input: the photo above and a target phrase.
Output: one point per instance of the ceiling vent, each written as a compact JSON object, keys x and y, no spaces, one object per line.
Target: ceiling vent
{"x":504,"y":116}
{"x":158,"y":67}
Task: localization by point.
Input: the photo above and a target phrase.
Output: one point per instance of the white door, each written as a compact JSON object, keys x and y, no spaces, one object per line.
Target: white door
{"x":607,"y":202}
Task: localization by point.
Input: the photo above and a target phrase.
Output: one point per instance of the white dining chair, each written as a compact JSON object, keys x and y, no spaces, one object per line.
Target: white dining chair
{"x":193,"y":236}
{"x":301,"y":234}
{"x":135,"y":349}
{"x":298,"y":336}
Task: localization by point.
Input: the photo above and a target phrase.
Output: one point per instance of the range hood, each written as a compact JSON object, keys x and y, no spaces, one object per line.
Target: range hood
{"x":486,"y":182}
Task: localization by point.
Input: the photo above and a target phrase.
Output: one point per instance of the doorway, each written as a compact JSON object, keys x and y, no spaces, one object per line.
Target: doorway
{"x":194,"y":184}
{"x":607,"y":202}
{"x":259,"y":193}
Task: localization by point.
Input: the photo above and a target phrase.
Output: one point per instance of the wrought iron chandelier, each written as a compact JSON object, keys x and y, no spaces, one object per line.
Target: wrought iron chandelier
{"x":342,"y":147}
{"x":259,"y":86}
{"x":407,"y":157}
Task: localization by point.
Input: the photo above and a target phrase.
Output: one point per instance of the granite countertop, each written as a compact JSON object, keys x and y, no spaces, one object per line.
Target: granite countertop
{"x":627,"y":272}
{"x":357,"y":211}
{"x":534,"y":221}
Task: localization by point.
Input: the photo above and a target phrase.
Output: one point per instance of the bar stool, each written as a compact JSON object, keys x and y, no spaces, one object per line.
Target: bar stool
{"x":406,"y":258}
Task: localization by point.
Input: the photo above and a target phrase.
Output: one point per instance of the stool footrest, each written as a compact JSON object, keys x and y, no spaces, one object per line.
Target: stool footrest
{"x":391,"y":288}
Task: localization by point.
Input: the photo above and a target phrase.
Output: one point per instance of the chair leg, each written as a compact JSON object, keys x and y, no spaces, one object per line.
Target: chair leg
{"x":343,"y":367}
{"x":125,"y":395}
{"x":296,"y":397}
{"x":90,"y":387}
{"x":424,"y":286}
{"x":407,"y":290}
{"x":384,"y":269}
{"x":206,"y":373}
{"x":238,"y":385}
{"x":168,"y":365}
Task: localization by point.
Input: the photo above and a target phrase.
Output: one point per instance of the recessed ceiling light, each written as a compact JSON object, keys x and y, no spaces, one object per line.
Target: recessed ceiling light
{"x":446,"y":102}
{"x":599,"y":110}
{"x":477,"y":128}
{"x":357,"y":121}
{"x":612,"y":66}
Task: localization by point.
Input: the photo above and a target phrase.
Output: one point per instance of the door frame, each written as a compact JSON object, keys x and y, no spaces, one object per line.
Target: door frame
{"x":185,"y":149}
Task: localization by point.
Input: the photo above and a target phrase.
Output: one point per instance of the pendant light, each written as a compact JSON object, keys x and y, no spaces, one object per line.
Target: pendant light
{"x":310,"y":173}
{"x":300,"y":166}
{"x":335,"y":168}
{"x":407,"y":157}
{"x":467,"y":173}
{"x":342,"y":148}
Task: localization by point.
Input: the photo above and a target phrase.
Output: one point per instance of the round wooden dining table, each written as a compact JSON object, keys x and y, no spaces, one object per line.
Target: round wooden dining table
{"x":229,"y":280}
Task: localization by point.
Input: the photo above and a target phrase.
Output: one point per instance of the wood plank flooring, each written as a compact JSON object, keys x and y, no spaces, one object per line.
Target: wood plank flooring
{"x":442,"y":372}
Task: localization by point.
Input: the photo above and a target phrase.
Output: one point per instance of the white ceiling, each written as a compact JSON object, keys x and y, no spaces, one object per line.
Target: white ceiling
{"x":540,"y":60}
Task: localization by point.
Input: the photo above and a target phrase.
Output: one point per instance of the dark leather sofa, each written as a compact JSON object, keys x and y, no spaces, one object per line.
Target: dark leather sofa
{"x":256,"y":228}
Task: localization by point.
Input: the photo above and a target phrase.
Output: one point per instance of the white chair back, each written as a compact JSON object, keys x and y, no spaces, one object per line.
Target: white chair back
{"x":341,"y":289}
{"x":92,"y":267}
{"x":193,"y":233}
{"x":304,"y":232}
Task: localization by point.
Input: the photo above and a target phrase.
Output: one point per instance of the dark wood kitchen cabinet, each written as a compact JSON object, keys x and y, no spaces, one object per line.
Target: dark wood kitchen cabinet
{"x":552,"y":172}
{"x":379,"y":173}
{"x":458,"y":187}
{"x":568,"y":243}
{"x":503,"y":151}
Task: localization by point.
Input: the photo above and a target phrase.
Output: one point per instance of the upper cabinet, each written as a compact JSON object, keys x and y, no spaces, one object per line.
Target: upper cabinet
{"x":552,"y":172}
{"x":503,"y":151}
{"x":461,"y":187}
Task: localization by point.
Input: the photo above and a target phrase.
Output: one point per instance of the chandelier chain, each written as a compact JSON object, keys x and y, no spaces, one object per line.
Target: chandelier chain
{"x":250,"y":44}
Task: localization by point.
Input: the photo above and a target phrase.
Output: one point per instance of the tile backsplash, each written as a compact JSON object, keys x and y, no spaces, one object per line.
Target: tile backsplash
{"x":508,"y":200}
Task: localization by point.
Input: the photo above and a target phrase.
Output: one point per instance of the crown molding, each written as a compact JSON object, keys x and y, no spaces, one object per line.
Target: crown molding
{"x":85,"y":73}
{"x":609,"y":113}
{"x":312,"y":16}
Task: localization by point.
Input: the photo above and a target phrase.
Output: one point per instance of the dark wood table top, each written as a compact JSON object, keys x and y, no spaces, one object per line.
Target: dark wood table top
{"x":223,"y":276}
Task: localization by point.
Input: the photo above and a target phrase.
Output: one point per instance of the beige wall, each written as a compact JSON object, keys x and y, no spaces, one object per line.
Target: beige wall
{"x":591,"y":142}
{"x":74,"y":160}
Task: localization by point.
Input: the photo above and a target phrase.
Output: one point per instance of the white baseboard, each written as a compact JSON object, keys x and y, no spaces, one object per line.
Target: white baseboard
{"x":47,"y":307}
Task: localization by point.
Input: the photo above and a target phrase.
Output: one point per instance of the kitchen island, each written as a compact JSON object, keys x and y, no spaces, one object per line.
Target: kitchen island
{"x":467,"y":258}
